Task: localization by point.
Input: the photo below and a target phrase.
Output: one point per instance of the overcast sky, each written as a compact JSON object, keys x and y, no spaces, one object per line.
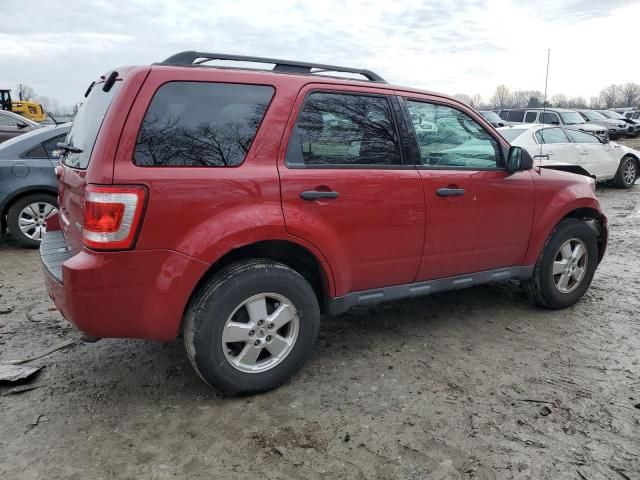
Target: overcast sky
{"x":450,"y":46}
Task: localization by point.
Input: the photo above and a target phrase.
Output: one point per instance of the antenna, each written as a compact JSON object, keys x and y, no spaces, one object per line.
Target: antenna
{"x":544,"y":105}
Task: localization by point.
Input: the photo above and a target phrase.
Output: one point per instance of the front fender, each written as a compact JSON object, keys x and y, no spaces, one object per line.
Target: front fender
{"x":555,"y":202}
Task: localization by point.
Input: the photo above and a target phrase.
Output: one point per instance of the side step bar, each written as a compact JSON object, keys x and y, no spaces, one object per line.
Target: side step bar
{"x":338,"y":305}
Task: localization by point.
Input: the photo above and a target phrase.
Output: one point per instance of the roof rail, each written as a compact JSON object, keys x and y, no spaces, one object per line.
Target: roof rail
{"x":286,"y":66}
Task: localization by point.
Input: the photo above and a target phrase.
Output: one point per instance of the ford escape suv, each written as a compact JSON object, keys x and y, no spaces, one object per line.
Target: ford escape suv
{"x":238,"y":205}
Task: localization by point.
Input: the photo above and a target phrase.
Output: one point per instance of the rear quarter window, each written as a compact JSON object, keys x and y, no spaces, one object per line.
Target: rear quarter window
{"x":201,"y":124}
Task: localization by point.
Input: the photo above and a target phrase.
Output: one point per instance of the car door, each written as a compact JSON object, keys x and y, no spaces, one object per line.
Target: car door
{"x":554,"y":147}
{"x":595,"y":157}
{"x":347,"y":189}
{"x":479,"y":215}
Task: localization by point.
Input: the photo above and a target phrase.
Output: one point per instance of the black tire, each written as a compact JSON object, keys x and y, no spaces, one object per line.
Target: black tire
{"x":14,"y":214}
{"x":541,"y":288}
{"x":627,"y":173}
{"x":217,"y":300}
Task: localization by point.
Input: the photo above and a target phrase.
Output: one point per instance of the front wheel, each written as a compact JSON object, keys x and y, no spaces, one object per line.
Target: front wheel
{"x":566,"y":266}
{"x":251,"y":327}
{"x":627,"y":173}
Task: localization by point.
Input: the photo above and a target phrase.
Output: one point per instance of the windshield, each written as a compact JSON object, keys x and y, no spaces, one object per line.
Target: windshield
{"x":610,"y":114}
{"x":491,"y":116}
{"x":512,"y":133}
{"x":593,"y":116}
{"x":571,"y":118}
{"x":86,"y":125}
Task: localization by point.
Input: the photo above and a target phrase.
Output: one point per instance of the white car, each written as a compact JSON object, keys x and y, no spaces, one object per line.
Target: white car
{"x":576,"y":151}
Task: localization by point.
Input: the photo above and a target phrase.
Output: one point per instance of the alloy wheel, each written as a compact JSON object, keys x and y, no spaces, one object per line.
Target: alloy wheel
{"x":629,"y":172}
{"x":570,"y":265}
{"x":260,"y":333}
{"x":32,"y":220}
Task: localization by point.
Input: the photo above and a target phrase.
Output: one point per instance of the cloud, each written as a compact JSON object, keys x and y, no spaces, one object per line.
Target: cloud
{"x":456,"y":46}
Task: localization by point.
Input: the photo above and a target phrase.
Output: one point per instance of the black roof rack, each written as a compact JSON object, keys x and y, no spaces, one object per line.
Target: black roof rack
{"x":286,"y":66}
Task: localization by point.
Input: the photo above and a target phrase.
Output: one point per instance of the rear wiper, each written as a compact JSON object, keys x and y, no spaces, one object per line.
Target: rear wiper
{"x":67,"y":147}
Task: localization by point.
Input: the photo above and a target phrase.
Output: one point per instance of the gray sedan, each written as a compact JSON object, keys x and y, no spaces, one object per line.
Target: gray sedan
{"x":28,"y":185}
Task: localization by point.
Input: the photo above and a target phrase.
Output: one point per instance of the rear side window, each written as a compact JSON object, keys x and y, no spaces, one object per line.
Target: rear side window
{"x":516,"y":116}
{"x":530,"y":117}
{"x":201,"y":124}
{"x":87,"y":123}
{"x":36,"y":152}
{"x":551,"y":135}
{"x":336,"y":129}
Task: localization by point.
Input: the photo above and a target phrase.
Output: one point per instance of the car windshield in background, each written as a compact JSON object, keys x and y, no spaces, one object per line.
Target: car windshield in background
{"x":593,"y":116}
{"x":571,"y":118}
{"x":491,"y":116}
{"x":512,"y":133}
{"x":86,"y":125}
{"x":609,"y":114}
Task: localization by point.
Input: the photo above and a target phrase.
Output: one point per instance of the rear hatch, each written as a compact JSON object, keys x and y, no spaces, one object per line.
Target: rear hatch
{"x":76,"y":159}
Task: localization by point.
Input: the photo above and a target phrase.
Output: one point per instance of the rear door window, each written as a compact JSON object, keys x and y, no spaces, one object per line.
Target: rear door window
{"x":201,"y":124}
{"x":87,"y":123}
{"x":530,"y":117}
{"x":551,"y":135}
{"x":337,"y":129}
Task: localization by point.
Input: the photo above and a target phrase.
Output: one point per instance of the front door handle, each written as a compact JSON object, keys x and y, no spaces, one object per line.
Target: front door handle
{"x":318,"y":194}
{"x":450,"y":192}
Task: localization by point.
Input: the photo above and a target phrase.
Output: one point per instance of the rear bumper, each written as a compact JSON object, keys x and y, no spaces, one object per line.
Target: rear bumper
{"x":128,"y":294}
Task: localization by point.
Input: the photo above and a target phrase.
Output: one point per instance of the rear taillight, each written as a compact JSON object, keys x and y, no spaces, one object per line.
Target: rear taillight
{"x":112,"y":216}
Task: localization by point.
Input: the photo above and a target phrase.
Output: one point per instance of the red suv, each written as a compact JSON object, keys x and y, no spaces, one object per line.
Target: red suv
{"x":238,"y":205}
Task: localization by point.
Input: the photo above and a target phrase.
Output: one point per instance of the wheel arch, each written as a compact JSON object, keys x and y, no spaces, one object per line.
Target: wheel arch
{"x":292,"y":254}
{"x":596,"y":220}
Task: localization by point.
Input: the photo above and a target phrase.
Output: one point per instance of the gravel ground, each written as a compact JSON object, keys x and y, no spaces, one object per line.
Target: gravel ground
{"x":474,"y":384}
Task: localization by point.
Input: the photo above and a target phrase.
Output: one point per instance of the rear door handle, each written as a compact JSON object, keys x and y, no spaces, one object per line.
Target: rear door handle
{"x":318,"y":194}
{"x":450,"y":192}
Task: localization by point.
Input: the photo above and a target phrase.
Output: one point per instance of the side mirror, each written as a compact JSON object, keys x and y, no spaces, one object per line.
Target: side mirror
{"x":519,"y":159}
{"x":21,"y":125}
{"x":604,"y":139}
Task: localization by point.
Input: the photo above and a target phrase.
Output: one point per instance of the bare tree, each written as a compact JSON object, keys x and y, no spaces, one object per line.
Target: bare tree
{"x":630,"y":94}
{"x":577,"y":102}
{"x":559,"y":100}
{"x":502,"y":97}
{"x":476,"y":100}
{"x":25,"y":92}
{"x":520,"y":98}
{"x":463,"y":97}
{"x":594,"y":103}
{"x":610,"y":96}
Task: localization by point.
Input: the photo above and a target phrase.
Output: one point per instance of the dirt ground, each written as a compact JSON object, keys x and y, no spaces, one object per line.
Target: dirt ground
{"x":474,"y":384}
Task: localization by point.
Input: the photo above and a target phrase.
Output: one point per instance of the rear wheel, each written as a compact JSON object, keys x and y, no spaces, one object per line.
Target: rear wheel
{"x":251,"y":327}
{"x":566,"y":266}
{"x":627,"y":173}
{"x":27,"y":218}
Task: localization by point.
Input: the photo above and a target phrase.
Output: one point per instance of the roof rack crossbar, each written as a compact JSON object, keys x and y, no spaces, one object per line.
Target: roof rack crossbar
{"x":191,"y":57}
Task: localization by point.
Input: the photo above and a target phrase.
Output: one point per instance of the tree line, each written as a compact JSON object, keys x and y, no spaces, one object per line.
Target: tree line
{"x":613,"y":96}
